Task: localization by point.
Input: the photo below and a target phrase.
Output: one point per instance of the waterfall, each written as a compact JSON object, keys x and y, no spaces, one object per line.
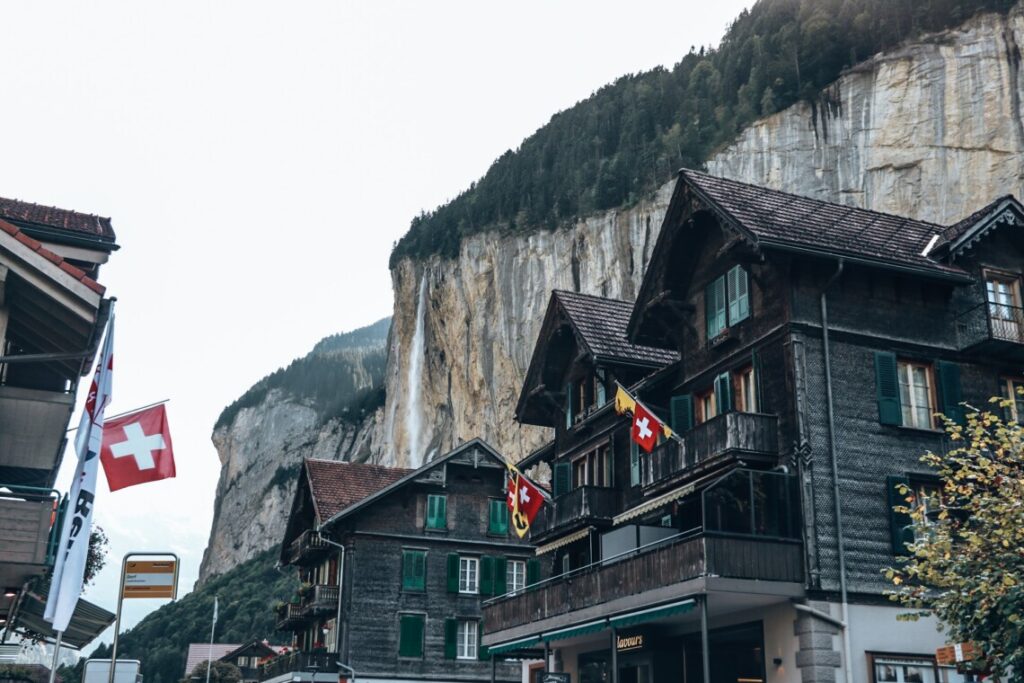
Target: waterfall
{"x":414,"y":381}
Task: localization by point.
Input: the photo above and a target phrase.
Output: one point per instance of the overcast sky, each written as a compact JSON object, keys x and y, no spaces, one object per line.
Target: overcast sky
{"x":260,"y":159}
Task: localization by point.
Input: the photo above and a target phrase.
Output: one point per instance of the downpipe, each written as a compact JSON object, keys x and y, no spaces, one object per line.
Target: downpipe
{"x":341,"y":578}
{"x":837,"y":505}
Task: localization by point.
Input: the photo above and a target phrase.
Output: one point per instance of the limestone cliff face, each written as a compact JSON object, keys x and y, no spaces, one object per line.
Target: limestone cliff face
{"x":478,"y":318}
{"x":261,"y":447}
{"x":932,"y":130}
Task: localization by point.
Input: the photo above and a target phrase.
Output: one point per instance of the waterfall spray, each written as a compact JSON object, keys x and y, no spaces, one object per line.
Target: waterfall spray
{"x":414,"y":381}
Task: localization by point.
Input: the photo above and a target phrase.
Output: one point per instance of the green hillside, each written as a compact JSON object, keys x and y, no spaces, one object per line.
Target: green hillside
{"x":246,"y":597}
{"x":327,"y":379}
{"x":632,"y":135}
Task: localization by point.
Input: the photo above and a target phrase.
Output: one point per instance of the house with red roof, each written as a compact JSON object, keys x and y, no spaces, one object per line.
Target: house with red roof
{"x":395,"y":565}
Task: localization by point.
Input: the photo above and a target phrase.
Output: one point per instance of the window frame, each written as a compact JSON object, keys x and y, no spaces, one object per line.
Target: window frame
{"x":873,"y":658}
{"x":511,"y":572}
{"x":1008,"y":391}
{"x":408,"y":553}
{"x":910,"y":406}
{"x":467,"y":640}
{"x":472,"y":578}
{"x":706,"y":403}
{"x":724,"y":305}
{"x":745,"y":380}
{"x":428,"y":519}
{"x":497,"y":504}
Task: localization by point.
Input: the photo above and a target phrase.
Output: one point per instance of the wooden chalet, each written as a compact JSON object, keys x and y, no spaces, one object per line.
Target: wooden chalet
{"x":52,"y":314}
{"x":395,"y":564}
{"x":799,"y":350}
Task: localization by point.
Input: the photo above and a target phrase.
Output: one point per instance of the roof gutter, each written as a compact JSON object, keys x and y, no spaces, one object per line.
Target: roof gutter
{"x":875,"y":263}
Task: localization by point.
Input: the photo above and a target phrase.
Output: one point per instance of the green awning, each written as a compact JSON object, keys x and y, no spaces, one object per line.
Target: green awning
{"x":513,"y":645}
{"x":573,"y":631}
{"x":653,"y":613}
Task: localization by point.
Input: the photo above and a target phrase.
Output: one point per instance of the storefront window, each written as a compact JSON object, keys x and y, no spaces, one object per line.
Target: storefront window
{"x":912,"y":669}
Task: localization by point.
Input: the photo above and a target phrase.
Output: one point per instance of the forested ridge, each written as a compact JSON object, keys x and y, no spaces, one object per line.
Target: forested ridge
{"x":629,"y":137}
{"x":327,"y":378}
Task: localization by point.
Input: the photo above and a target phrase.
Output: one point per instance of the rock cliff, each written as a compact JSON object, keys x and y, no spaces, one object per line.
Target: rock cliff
{"x":931,"y":130}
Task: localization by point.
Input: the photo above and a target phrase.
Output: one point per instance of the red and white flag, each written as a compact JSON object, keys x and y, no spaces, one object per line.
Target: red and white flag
{"x":137,"y":448}
{"x":646,"y":428}
{"x":524,"y":501}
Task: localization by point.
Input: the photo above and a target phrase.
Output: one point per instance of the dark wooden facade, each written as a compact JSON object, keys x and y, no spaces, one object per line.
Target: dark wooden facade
{"x":380,"y":605}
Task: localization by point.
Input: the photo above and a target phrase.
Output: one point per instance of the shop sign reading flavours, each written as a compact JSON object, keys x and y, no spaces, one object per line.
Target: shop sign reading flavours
{"x":629,"y":642}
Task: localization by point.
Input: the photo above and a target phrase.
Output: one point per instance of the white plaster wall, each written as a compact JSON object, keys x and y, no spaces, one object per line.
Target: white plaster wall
{"x":874,"y":628}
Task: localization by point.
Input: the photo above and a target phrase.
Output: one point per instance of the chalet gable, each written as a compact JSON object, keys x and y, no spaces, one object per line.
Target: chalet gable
{"x":965,"y":234}
{"x":580,"y":334}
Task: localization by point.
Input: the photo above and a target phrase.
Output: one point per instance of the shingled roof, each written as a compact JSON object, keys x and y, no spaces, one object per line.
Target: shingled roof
{"x":337,"y":485}
{"x":601,"y":325}
{"x":780,"y":219}
{"x":26,"y":214}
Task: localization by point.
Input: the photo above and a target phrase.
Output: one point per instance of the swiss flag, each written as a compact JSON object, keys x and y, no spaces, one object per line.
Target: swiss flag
{"x":137,"y":448}
{"x":645,"y":428}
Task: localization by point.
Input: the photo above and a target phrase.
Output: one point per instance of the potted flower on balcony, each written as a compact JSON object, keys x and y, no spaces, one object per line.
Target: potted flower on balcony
{"x":305,"y":589}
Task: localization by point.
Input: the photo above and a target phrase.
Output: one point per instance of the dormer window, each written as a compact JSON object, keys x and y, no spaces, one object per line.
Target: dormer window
{"x":726,"y":301}
{"x":583,"y":395}
{"x":1004,"y":305}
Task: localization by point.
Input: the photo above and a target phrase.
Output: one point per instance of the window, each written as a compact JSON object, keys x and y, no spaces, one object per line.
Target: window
{"x":726,"y":301}
{"x":410,"y":635}
{"x":469,"y":575}
{"x":707,"y":407}
{"x":916,"y":394}
{"x":583,"y":394}
{"x":746,"y":390}
{"x":497,"y":517}
{"x":465,"y":642}
{"x":437,"y":512}
{"x":1011,"y":388}
{"x":593,"y":468}
{"x":414,"y":570}
{"x":515,"y":575}
{"x":1004,"y":306}
{"x":911,"y":669}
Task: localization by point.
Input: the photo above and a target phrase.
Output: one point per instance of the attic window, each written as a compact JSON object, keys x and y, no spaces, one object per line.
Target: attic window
{"x":726,"y":301}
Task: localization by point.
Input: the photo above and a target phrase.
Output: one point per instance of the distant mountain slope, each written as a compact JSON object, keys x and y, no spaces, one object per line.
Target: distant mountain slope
{"x":246,"y":595}
{"x":630,"y":136}
{"x":326,"y":404}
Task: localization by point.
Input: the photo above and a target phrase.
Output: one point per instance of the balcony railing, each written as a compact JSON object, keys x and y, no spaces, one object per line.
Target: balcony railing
{"x":749,"y":434}
{"x":320,"y":600}
{"x":582,"y":505}
{"x":989,"y":322}
{"x":289,"y":615}
{"x":30,"y":530}
{"x":324,"y":662}
{"x":32,"y":427}
{"x":308,"y":548}
{"x":672,"y":561}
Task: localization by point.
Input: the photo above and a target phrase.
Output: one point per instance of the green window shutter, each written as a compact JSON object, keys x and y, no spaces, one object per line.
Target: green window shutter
{"x":901,"y":526}
{"x":887,"y":388}
{"x":634,"y":463}
{"x":486,"y":575}
{"x":497,"y":517}
{"x":570,"y":405}
{"x":451,"y":634}
{"x":500,"y":576}
{"x":682,"y":413}
{"x":532,"y":572}
{"x":723,"y":393}
{"x":739,"y":295}
{"x":453,"y":572}
{"x":714,"y":307}
{"x":437,"y":512}
{"x":562,"y":479}
{"x":481,"y":651}
{"x":413,"y":570}
{"x":410,"y":635}
{"x":949,"y":390}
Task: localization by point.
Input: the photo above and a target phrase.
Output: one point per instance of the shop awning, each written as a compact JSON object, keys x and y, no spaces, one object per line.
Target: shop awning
{"x":564,"y":540}
{"x":573,"y":631}
{"x":513,"y":645}
{"x":87,"y":622}
{"x":653,"y":613}
{"x":673,"y":495}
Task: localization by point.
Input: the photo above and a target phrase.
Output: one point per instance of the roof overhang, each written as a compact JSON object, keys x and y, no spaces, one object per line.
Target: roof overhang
{"x":1007,"y":212}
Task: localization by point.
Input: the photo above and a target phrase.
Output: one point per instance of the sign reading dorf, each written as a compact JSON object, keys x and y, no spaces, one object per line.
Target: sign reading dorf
{"x":149,"y":579}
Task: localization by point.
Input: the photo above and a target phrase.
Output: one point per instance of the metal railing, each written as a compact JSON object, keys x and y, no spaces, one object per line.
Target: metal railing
{"x":320,"y":599}
{"x":307,"y":546}
{"x":289,"y":614}
{"x":990,"y":321}
{"x":580,"y":505}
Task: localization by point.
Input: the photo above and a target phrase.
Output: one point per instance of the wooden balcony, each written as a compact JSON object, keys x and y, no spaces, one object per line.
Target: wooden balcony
{"x":320,"y":600}
{"x":308,"y":548}
{"x":581,"y":506}
{"x":747,"y":435}
{"x":27,"y":533}
{"x":289,"y":616}
{"x":673,"y":562}
{"x":32,"y":424}
{"x":992,"y":329}
{"x":296,"y":662}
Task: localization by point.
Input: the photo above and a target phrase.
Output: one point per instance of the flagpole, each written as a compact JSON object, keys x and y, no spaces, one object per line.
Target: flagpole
{"x":209,"y":654}
{"x":56,"y":655}
{"x":128,"y":412}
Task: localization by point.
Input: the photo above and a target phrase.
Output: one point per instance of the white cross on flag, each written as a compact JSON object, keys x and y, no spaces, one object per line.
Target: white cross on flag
{"x":137,"y":448}
{"x":645,"y":428}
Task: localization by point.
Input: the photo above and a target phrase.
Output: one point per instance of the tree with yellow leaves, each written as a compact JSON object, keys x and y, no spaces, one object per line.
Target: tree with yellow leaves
{"x":965,"y":564}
